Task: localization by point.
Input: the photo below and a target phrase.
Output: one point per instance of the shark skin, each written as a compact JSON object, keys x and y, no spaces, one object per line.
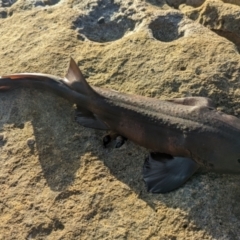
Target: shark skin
{"x":182,"y":134}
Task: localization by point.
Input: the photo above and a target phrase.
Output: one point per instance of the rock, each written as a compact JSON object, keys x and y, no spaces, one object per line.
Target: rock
{"x":101,"y":20}
{"x":6,"y":3}
{"x":30,"y":142}
{"x":223,"y":19}
{"x":70,"y":186}
{"x":3,"y":13}
{"x":177,"y":3}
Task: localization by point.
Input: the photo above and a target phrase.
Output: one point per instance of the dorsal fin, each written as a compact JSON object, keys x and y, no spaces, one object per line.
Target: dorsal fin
{"x":75,"y":79}
{"x":193,"y":101}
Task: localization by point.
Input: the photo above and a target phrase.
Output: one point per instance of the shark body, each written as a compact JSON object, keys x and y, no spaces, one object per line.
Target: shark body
{"x":183,"y":134}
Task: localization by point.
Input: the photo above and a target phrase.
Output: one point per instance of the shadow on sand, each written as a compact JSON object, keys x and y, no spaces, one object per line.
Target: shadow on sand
{"x":208,"y":199}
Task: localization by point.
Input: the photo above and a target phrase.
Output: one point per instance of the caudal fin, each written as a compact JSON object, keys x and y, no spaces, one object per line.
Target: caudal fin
{"x":75,"y":80}
{"x":16,"y":80}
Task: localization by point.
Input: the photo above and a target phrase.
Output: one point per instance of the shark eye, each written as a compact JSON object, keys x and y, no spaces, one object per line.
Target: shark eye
{"x":238,"y":160}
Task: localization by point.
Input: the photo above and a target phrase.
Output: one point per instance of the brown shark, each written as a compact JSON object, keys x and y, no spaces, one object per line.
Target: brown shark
{"x":183,"y":134}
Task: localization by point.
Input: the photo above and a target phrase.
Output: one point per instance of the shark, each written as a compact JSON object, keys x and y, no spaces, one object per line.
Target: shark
{"x":182,"y":135}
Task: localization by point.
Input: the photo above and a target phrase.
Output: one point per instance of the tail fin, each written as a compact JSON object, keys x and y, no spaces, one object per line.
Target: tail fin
{"x":29,"y":80}
{"x":35,"y":76}
{"x":75,"y":80}
{"x":73,"y":87}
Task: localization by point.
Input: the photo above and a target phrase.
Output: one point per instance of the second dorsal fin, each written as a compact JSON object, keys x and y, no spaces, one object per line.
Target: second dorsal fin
{"x":75,"y":79}
{"x":193,"y":101}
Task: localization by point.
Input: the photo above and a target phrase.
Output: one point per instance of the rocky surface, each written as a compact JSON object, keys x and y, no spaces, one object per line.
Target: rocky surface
{"x":57,"y":181}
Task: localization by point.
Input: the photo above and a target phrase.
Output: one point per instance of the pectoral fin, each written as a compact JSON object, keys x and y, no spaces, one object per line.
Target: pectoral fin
{"x":88,"y":119}
{"x":163,"y":173}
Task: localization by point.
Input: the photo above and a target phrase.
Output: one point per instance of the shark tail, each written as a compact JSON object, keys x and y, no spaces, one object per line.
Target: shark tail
{"x":73,"y":87}
{"x":73,"y":81}
{"x":37,"y":81}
